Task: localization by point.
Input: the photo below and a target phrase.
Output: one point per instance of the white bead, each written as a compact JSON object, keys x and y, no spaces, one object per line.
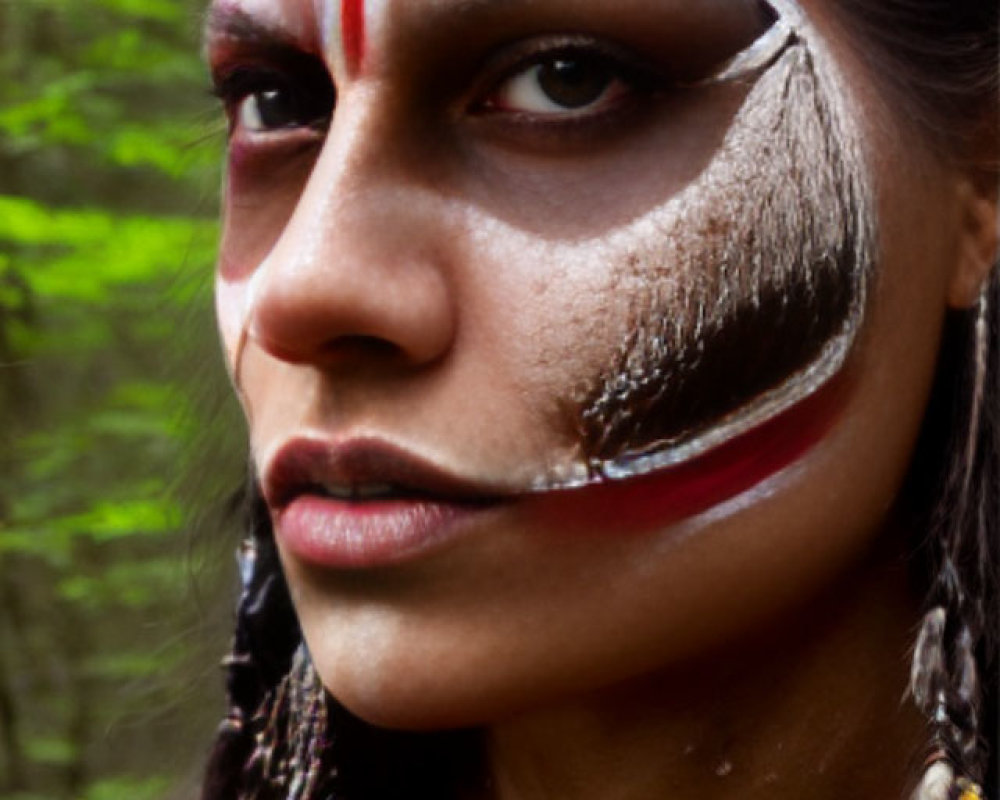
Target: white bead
{"x":936,"y":783}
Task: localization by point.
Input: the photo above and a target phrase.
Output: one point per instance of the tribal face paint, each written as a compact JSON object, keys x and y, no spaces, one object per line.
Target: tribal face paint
{"x":747,"y":287}
{"x":752,"y":302}
{"x":351,"y":27}
{"x":779,"y":300}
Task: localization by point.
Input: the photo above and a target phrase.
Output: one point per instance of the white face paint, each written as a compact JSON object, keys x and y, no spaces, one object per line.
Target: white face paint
{"x":837,"y":209}
{"x":352,"y":30}
{"x":789,"y":25}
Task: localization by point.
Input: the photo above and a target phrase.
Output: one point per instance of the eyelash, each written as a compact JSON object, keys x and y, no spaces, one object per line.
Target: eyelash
{"x":305,"y":87}
{"x":302,"y":89}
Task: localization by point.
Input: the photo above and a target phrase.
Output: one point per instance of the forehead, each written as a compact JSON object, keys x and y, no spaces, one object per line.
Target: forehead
{"x":294,"y":19}
{"x":357,"y":25}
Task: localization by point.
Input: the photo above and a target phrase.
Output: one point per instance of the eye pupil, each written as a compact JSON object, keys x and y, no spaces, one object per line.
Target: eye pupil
{"x":574,"y":82}
{"x":277,"y":109}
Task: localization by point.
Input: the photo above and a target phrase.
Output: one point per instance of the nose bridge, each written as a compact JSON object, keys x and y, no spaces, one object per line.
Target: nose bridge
{"x":355,"y":161}
{"x":360,"y":258}
{"x":354,"y":180}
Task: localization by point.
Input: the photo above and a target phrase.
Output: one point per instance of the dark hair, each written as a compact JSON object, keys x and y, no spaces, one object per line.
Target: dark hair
{"x":941,"y":62}
{"x":938,"y":60}
{"x":284,"y":738}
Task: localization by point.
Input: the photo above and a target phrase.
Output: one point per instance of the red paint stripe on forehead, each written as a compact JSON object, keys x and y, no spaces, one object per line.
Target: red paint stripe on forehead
{"x":352,"y":30}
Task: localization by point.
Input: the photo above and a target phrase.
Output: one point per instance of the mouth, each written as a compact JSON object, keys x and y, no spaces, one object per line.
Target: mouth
{"x":366,"y":503}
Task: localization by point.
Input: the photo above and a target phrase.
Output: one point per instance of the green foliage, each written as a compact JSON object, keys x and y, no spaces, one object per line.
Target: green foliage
{"x":51,"y":751}
{"x":88,"y":255}
{"x":131,"y":788}
{"x":109,"y":147}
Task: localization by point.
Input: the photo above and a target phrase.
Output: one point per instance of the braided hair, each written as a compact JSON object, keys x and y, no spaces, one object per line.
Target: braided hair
{"x":284,"y":737}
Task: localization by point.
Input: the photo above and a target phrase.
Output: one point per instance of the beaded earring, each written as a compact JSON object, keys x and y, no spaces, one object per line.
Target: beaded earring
{"x":944,"y":679}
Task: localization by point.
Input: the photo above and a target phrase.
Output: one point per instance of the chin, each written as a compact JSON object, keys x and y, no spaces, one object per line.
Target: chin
{"x":400,"y":703}
{"x":406,"y":689}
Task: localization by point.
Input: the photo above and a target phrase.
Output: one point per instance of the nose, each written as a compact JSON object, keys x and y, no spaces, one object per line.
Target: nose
{"x":360,"y":270}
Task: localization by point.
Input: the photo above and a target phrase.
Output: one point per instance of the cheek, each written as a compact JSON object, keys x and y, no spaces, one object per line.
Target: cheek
{"x":264,"y":182}
{"x":711,"y":311}
{"x":262,"y":191}
{"x":544,"y":315}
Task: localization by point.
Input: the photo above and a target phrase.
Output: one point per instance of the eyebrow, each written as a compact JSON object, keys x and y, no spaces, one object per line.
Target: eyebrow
{"x":227,"y":23}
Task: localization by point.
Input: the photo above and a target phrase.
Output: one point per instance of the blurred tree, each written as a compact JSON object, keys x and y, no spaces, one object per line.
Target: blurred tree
{"x":116,"y":439}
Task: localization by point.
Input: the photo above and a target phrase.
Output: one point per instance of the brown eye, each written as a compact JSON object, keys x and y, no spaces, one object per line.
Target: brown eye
{"x":573,"y":83}
{"x":567,"y":84}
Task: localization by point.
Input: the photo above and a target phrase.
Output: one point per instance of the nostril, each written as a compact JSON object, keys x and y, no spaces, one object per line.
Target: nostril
{"x":362,"y":347}
{"x":335,"y":351}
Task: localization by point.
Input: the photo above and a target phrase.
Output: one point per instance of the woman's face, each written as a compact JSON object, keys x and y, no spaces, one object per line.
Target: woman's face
{"x":569,"y":348}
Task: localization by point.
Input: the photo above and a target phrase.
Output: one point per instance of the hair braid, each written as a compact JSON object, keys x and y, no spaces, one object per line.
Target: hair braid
{"x":283,"y":737}
{"x":957,"y":641}
{"x":266,"y":636}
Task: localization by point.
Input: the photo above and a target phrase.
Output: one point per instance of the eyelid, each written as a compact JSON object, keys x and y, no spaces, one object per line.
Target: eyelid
{"x":234,"y":84}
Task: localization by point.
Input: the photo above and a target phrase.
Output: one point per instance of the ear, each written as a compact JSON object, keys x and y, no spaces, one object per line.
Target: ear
{"x":979,"y":239}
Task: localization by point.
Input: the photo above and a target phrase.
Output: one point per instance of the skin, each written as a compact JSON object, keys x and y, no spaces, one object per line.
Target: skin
{"x":448,"y":280}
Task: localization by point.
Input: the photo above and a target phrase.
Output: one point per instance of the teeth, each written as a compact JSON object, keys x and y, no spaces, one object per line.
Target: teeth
{"x":365,"y":491}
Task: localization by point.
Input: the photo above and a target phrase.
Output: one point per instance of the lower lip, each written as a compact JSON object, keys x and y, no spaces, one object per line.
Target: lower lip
{"x":344,"y":534}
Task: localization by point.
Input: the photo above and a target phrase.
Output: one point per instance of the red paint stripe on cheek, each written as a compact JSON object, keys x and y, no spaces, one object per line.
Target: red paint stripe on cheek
{"x":352,"y":27}
{"x":676,"y":493}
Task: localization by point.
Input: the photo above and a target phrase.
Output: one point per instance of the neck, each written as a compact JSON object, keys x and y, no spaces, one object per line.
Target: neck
{"x":812,"y":706}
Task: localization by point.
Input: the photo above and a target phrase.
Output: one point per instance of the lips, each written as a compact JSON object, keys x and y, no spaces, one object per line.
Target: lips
{"x":365,"y":503}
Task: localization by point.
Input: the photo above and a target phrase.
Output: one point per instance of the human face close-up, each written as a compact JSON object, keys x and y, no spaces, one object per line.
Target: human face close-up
{"x":575,"y":339}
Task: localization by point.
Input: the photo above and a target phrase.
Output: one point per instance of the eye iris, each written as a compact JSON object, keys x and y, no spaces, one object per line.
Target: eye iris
{"x":277,"y":109}
{"x":574,"y":83}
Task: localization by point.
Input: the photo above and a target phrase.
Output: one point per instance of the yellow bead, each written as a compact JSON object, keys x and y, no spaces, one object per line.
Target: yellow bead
{"x":970,"y":791}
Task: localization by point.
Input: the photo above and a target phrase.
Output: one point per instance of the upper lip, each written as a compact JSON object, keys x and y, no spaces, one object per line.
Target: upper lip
{"x":310,"y":466}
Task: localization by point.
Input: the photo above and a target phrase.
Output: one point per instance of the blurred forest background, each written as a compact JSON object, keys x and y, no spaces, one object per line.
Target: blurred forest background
{"x":118,"y":440}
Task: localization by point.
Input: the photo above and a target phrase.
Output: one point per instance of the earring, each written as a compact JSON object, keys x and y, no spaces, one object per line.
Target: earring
{"x":947,"y":694}
{"x":970,"y":790}
{"x":939,"y":783}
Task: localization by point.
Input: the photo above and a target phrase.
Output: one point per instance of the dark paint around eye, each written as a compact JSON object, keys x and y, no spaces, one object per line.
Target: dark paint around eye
{"x":574,"y":82}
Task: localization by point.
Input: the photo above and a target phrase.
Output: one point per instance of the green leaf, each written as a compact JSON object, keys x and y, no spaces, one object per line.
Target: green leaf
{"x":50,"y":750}
{"x":124,"y":788}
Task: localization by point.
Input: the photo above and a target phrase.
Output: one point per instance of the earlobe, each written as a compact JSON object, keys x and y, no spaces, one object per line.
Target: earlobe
{"x":979,"y":241}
